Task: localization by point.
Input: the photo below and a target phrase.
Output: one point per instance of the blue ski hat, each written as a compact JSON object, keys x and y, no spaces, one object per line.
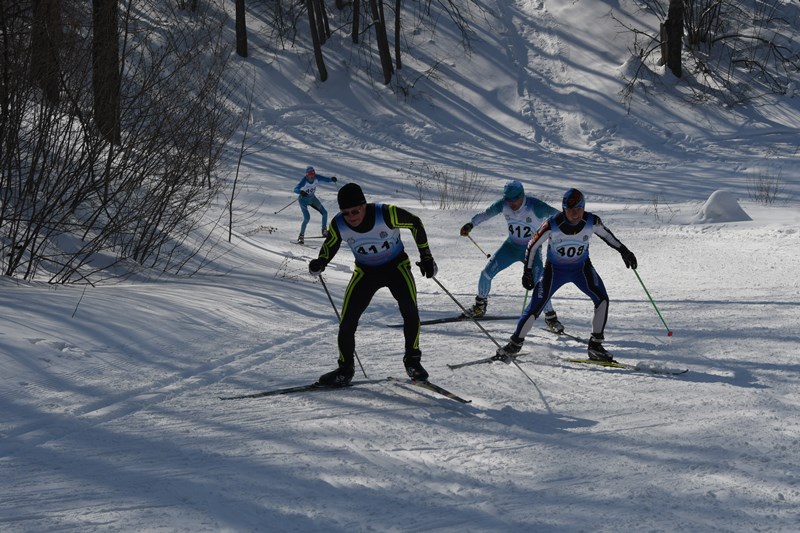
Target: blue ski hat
{"x":310,"y":170}
{"x":513,"y":190}
{"x":573,"y":198}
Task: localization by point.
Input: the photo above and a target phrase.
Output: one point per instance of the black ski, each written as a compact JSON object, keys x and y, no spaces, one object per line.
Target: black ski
{"x":299,"y":388}
{"x":568,"y":335}
{"x":317,"y":387}
{"x":459,"y":318}
{"x":635,"y":368}
{"x":493,"y":359}
{"x":429,"y":386}
{"x":608,"y":364}
{"x":614,"y":363}
{"x":305,"y":244}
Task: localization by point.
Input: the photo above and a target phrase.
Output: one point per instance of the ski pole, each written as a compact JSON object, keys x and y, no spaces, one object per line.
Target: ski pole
{"x":484,"y":331}
{"x":478,"y":247}
{"x":524,"y":302}
{"x":284,"y":207}
{"x":669,"y":331}
{"x":339,"y":318}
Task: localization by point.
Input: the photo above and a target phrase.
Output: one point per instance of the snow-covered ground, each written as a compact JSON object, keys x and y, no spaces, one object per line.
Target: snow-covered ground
{"x":109,"y":411}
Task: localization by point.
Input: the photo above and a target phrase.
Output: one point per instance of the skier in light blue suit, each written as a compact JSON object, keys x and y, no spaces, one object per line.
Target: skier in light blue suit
{"x":523,"y":214}
{"x":306,"y":189}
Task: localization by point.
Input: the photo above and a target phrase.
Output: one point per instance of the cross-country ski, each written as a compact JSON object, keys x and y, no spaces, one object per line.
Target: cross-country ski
{"x":429,"y":386}
{"x":299,"y":388}
{"x":458,"y":318}
{"x":654,"y":369}
{"x":317,"y":387}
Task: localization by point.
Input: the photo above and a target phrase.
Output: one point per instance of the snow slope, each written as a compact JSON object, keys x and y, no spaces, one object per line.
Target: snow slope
{"x":110,"y":413}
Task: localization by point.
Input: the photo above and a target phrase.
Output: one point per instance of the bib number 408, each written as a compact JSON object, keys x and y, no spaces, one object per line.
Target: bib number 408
{"x":570,"y":251}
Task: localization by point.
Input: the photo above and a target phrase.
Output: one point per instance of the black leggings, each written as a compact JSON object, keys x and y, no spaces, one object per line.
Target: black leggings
{"x":365,"y":282}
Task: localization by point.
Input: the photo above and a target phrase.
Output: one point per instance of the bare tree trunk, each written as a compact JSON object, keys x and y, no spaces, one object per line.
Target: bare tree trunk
{"x":397,"y":60}
{"x":60,"y":177}
{"x":672,"y":38}
{"x":356,"y":21}
{"x":105,"y":69}
{"x":241,"y":29}
{"x":323,"y":29}
{"x":383,"y":40}
{"x":312,"y":24}
{"x":45,"y":43}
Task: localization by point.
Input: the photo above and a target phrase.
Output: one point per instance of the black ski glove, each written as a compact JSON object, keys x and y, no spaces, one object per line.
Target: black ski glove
{"x":466,"y":228}
{"x":316,"y":266}
{"x":303,"y":194}
{"x":628,"y":257}
{"x":426,"y":264}
{"x":527,"y":278}
{"x":333,"y":179}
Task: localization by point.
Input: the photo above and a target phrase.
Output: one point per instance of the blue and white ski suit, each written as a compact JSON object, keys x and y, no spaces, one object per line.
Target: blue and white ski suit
{"x":309,"y":187}
{"x":567,"y":262}
{"x":521,"y":224}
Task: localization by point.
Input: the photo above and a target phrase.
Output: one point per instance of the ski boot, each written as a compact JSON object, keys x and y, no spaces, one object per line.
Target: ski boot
{"x":414,"y":368}
{"x":301,"y":239}
{"x":507,"y":353}
{"x":479,"y":309}
{"x":340,"y":377}
{"x":596,"y":350}
{"x":553,"y":324}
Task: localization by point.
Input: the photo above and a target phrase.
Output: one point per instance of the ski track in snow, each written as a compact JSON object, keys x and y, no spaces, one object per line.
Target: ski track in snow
{"x":110,"y":418}
{"x":511,"y":460}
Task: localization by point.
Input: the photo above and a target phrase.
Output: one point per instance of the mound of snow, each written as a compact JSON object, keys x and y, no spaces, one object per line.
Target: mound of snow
{"x":721,"y":206}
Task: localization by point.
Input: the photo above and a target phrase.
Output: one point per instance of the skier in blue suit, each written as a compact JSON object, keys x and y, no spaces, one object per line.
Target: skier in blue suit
{"x":569,"y":233}
{"x":523,"y":215}
{"x":306,"y":189}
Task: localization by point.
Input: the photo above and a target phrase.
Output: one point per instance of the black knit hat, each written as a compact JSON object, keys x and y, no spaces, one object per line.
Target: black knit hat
{"x":351,"y":195}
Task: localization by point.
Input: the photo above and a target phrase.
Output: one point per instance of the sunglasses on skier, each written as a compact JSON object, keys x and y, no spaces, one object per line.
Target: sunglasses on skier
{"x":352,"y":212}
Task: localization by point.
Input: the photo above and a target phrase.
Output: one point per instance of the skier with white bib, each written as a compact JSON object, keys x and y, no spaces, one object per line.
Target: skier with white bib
{"x":306,"y":190}
{"x":568,"y":233}
{"x":523,"y":215}
{"x":372,"y":231}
